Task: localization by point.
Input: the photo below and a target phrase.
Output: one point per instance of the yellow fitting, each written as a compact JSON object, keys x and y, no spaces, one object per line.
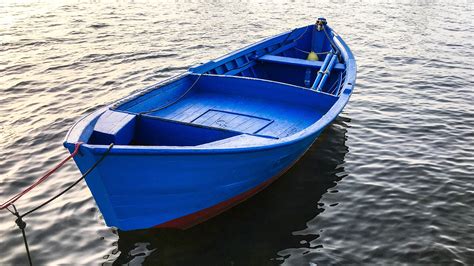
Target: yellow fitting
{"x":312,"y":56}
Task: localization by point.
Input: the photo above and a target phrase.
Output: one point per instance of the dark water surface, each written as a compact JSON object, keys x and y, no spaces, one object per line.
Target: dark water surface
{"x":391,"y":181}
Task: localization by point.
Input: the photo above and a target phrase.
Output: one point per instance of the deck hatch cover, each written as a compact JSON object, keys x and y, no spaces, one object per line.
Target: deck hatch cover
{"x":232,"y":121}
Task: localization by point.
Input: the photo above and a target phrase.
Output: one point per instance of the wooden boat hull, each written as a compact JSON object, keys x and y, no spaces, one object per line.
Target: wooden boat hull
{"x":181,"y":190}
{"x":192,"y":146}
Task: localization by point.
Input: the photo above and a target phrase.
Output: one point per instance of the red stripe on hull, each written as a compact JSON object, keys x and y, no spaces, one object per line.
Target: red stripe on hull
{"x":190,"y":220}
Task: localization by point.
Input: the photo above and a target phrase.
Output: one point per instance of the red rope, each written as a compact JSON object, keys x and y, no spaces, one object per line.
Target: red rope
{"x":42,"y":179}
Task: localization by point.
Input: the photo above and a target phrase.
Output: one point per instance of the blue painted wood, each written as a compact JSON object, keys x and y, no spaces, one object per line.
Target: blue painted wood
{"x":212,"y":134}
{"x":232,"y":121}
{"x":154,"y":131}
{"x":240,"y":69}
{"x":116,"y":127}
{"x":297,"y":62}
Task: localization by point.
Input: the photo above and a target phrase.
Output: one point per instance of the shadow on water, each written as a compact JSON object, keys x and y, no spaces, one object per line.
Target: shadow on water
{"x":256,"y":230}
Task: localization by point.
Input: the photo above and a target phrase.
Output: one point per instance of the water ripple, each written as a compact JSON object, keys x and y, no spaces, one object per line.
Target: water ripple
{"x":390,"y":181}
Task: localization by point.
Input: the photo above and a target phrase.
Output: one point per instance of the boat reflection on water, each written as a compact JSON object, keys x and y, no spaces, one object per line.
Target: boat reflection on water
{"x":259,"y":227}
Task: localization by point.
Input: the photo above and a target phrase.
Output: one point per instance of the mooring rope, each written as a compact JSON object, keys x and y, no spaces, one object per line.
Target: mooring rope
{"x":334,"y":46}
{"x":21,"y":224}
{"x":40,"y":180}
{"x":307,"y":52}
{"x":19,"y":217}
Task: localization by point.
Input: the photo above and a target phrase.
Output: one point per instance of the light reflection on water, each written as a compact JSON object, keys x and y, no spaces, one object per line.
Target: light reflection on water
{"x":389,"y":182}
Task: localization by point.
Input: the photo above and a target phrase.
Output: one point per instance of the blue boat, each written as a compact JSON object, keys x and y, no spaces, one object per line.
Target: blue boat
{"x":192,"y":146}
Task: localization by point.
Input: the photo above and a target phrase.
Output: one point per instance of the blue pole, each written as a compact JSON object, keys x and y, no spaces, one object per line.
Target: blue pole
{"x":323,"y":68}
{"x":327,"y":72}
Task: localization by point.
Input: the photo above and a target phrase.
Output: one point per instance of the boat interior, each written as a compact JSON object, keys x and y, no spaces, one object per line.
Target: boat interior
{"x":267,"y":91}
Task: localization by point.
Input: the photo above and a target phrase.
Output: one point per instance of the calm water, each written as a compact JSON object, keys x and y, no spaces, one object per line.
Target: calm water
{"x":391,"y":181}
